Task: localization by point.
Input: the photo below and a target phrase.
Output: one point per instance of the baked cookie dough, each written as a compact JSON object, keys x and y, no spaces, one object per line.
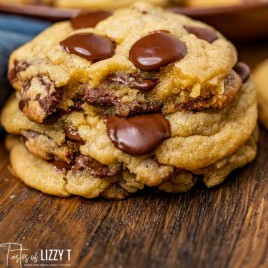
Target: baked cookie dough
{"x":261,"y":81}
{"x":109,"y":103}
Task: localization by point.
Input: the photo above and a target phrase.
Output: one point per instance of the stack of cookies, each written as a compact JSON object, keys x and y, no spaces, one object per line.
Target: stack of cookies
{"x":108,"y":104}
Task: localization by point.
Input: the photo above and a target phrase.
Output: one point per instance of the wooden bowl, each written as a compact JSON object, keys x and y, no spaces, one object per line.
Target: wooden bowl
{"x":241,"y":22}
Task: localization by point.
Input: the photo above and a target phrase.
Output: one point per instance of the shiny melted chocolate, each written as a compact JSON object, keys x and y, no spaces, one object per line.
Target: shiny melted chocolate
{"x":243,"y":70}
{"x":89,"y":46}
{"x":138,"y":135}
{"x":61,"y":165}
{"x":156,"y":50}
{"x":72,"y":135}
{"x":89,"y":19}
{"x":202,"y":33}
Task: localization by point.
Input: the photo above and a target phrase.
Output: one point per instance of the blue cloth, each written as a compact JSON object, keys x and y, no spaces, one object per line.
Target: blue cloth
{"x":14,"y":32}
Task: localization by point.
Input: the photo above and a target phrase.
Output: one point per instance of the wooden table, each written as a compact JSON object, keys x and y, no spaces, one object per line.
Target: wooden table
{"x":226,"y":226}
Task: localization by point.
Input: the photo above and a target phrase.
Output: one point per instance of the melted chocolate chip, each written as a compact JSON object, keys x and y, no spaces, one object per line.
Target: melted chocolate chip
{"x":140,"y":134}
{"x":202,"y":33}
{"x":61,"y":165}
{"x":89,"y":46}
{"x":156,"y":50}
{"x":136,"y":107}
{"x":19,"y":66}
{"x":78,"y":103}
{"x":49,"y":103}
{"x":22,"y":104}
{"x":243,"y":70}
{"x":94,"y":167}
{"x":134,"y":81}
{"x":145,"y":85}
{"x":51,"y":119}
{"x":104,"y":97}
{"x":100,"y":96}
{"x":80,"y":164}
{"x":89,"y":19}
{"x":73,"y":135}
{"x":48,"y":100}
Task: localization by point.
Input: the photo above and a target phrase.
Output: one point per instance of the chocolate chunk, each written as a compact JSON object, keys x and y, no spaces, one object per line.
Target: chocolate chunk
{"x":22,"y":104}
{"x":202,"y":33}
{"x":138,"y":135}
{"x":19,"y":66}
{"x":51,"y":119}
{"x":100,"y":96}
{"x":104,"y":97}
{"x":48,"y":100}
{"x":49,"y":103}
{"x":243,"y":70}
{"x":134,"y":81}
{"x":61,"y":165}
{"x":77,"y":105}
{"x":89,"y":19}
{"x":136,"y":107}
{"x":145,"y":85}
{"x":94,"y":167}
{"x":25,"y":86}
{"x":72,"y":135}
{"x":89,"y":46}
{"x":156,"y":50}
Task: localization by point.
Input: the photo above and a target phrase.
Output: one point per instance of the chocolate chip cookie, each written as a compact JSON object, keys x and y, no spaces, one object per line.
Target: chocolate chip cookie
{"x":112,"y":102}
{"x":261,"y":81}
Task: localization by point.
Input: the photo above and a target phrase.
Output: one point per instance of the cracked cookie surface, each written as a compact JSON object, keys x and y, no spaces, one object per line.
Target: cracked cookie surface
{"x":198,"y":79}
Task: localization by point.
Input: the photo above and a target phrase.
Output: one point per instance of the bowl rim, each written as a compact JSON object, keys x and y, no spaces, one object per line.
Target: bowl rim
{"x":218,"y":9}
{"x":58,"y":14}
{"x":43,"y":12}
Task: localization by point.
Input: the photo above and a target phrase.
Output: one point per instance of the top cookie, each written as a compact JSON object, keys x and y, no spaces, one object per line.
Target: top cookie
{"x":137,"y":60}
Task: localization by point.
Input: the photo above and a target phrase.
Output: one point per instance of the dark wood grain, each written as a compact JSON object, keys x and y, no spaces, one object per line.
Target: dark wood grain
{"x":226,"y":226}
